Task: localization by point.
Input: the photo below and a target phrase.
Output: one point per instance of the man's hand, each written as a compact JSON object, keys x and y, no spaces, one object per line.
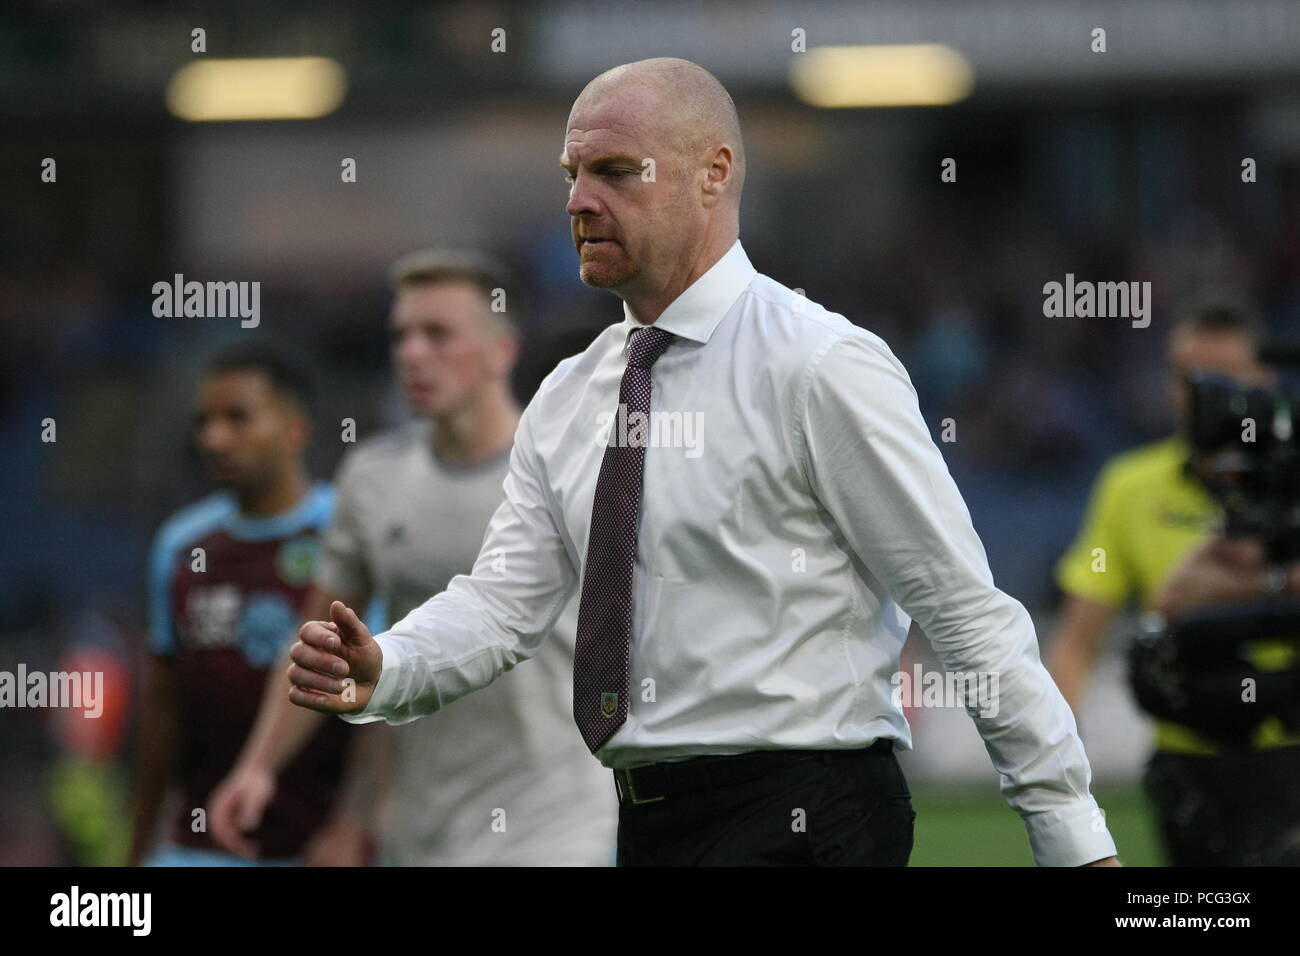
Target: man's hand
{"x":1221,"y":571}
{"x":336,"y":663}
{"x":1108,"y":861}
{"x":236,"y":808}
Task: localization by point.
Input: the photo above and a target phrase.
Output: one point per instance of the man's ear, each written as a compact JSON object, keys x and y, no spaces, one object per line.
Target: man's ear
{"x":719,"y":174}
{"x":505,"y":353}
{"x":300,"y":428}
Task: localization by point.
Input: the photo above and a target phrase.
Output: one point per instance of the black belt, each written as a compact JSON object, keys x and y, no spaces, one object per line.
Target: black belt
{"x":651,"y":782}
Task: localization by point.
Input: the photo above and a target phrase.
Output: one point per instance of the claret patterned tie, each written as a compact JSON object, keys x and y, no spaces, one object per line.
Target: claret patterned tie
{"x":602,"y":655}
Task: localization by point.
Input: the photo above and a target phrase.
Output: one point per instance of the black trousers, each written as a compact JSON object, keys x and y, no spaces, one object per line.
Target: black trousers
{"x":1237,"y":809}
{"x":840,"y":808}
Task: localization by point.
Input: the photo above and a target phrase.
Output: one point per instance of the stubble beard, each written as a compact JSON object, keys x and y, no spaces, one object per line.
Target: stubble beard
{"x":600,"y":275}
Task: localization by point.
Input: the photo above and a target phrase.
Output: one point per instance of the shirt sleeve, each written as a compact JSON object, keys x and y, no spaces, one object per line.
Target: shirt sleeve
{"x":874,"y":467}
{"x":485,"y":622}
{"x":343,"y":568}
{"x":1096,"y":565}
{"x":162,"y":558}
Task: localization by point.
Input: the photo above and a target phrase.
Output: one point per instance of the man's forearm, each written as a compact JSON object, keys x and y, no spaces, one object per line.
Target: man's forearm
{"x":155,"y":752}
{"x":453,"y":644}
{"x":486,"y":622}
{"x":152,"y":770}
{"x":282,"y":729}
{"x":1224,"y":571}
{"x":444,"y":649}
{"x":1080,"y":636}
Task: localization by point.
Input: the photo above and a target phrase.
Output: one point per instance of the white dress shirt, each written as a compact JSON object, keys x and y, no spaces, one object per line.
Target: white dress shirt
{"x":502,"y":778}
{"x":784,"y":549}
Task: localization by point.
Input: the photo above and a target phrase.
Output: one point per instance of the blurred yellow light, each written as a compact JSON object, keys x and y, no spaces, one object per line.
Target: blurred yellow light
{"x":921,"y":74}
{"x":302,"y":87}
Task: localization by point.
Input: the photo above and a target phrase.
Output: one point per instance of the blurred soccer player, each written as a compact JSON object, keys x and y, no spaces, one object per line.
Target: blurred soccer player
{"x":1146,"y":514}
{"x":227,"y":580}
{"x":501,"y":779}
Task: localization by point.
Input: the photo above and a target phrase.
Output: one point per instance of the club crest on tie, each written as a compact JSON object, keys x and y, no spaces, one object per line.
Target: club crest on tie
{"x":608,"y":704}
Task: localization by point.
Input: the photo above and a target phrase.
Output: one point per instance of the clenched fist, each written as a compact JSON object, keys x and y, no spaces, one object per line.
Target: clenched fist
{"x":336,"y":663}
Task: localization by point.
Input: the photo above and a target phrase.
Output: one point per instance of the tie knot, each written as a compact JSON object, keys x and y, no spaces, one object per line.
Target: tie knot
{"x":648,"y":343}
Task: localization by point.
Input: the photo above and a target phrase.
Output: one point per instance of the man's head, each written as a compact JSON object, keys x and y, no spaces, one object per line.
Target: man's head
{"x":635,"y":236}
{"x":449,"y":345}
{"x":1217,"y":335}
{"x":253,"y":417}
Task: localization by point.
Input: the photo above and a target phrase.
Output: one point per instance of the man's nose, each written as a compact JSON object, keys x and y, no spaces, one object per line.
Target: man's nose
{"x":214,"y":437}
{"x":413,"y":351}
{"x":581,"y":198}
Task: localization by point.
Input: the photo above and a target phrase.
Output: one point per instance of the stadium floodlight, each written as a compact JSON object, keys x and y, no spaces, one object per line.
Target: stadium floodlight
{"x":921,"y":74}
{"x":305,"y":87}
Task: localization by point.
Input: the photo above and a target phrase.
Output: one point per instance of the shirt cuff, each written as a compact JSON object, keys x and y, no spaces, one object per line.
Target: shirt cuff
{"x":1074,"y":835}
{"x":381,"y":697}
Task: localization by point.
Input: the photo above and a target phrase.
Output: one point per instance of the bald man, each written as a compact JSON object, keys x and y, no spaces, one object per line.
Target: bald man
{"x":740,"y":486}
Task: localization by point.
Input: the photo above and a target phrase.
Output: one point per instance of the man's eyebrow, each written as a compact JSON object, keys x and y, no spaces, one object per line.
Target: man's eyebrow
{"x":603,"y":162}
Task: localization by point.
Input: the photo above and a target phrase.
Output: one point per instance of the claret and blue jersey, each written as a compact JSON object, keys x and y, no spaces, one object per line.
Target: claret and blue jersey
{"x":226,"y":593}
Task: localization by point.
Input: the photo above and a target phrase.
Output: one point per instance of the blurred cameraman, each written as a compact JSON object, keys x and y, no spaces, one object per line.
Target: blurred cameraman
{"x":1151,"y":536}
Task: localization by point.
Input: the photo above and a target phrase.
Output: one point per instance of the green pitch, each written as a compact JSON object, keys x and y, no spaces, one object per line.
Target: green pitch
{"x":974,"y":827}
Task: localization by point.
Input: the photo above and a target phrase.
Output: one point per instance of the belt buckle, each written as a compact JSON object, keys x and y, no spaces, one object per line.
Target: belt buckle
{"x":624,"y":780}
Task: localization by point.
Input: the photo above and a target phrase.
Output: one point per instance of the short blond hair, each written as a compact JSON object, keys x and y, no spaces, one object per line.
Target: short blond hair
{"x":427,"y":267}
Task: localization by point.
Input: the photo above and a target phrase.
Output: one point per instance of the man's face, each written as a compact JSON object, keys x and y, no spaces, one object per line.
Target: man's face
{"x":626,"y":229}
{"x":446,"y":348}
{"x":247,"y":432}
{"x":1227,"y":353}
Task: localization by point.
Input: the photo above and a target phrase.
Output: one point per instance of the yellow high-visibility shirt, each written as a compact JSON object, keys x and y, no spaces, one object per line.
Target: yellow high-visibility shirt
{"x":1144,"y":515}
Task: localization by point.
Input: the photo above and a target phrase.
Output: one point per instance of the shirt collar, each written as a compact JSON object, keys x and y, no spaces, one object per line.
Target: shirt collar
{"x":311,"y":512}
{"x":696,"y":312}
